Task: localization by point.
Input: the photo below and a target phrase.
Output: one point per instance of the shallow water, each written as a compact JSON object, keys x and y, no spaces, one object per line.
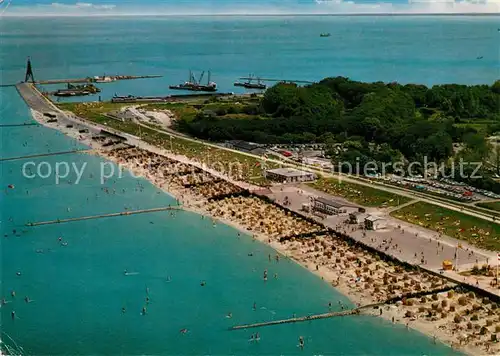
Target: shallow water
{"x":78,"y":290}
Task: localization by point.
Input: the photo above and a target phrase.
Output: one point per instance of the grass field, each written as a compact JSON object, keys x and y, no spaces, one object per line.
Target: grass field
{"x":237,"y":165}
{"x":491,"y":206}
{"x":479,"y":232}
{"x":359,"y":194}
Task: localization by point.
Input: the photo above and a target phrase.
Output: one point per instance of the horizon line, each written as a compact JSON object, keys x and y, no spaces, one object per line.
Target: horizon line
{"x":255,"y":15}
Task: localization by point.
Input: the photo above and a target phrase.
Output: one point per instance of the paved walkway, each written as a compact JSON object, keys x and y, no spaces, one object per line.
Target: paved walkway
{"x":404,"y":241}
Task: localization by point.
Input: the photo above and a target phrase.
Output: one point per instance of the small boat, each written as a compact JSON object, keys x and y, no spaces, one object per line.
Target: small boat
{"x":327,"y":34}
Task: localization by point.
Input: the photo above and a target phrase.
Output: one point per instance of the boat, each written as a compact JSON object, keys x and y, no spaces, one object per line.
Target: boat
{"x":77,"y":90}
{"x":249,"y":85}
{"x":325,"y":34}
{"x":103,"y":79}
{"x":195,"y":85}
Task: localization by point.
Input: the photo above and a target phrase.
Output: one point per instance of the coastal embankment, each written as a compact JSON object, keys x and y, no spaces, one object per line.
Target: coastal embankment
{"x":460,"y":318}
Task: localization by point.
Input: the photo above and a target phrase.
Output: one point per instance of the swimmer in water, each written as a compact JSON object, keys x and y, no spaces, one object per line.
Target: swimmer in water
{"x":13,"y":293}
{"x":147,"y":300}
{"x":301,"y":342}
{"x":169,"y":279}
{"x":18,"y":273}
{"x":229,"y":315}
{"x":203,"y":283}
{"x":123,"y":310}
{"x":254,"y":306}
{"x":143,"y":311}
{"x":183,"y":331}
{"x":13,"y":314}
{"x":125,"y":272}
{"x":27,"y":299}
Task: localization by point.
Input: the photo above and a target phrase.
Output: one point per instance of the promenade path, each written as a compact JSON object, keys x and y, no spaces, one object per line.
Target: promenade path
{"x":413,"y":239}
{"x":34,"y":98}
{"x":409,"y":239}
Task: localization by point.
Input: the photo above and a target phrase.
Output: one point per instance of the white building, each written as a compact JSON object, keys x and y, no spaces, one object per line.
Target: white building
{"x":289,"y":175}
{"x":375,"y":223}
{"x":333,"y":207}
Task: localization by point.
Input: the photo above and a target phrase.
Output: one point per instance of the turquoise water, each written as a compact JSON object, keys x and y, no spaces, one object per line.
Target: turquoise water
{"x":78,"y":290}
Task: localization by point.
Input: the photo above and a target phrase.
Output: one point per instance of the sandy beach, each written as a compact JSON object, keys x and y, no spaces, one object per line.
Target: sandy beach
{"x":460,"y":319}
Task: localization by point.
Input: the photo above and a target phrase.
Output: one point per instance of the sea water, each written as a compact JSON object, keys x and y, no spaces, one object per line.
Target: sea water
{"x":74,"y":272}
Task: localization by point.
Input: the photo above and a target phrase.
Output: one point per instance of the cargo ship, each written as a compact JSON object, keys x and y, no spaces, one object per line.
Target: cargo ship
{"x":77,"y":90}
{"x":249,"y":85}
{"x":195,"y":85}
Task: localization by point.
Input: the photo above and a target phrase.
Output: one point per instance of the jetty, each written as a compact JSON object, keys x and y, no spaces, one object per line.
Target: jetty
{"x":298,"y":319}
{"x":100,"y":216}
{"x":43,"y":155}
{"x":112,"y":78}
{"x":20,"y":125}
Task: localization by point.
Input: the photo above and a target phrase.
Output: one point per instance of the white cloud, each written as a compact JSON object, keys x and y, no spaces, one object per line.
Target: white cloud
{"x":413,"y":7}
{"x":78,"y":6}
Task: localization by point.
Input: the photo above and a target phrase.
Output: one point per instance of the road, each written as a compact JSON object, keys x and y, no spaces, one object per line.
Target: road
{"x":37,"y":101}
{"x":410,"y":239}
{"x":406,"y":242}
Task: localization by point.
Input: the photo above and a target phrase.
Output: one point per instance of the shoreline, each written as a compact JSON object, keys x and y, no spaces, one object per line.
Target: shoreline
{"x":192,"y":203}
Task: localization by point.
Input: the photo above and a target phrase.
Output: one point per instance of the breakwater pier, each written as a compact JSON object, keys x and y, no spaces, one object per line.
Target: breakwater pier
{"x":105,"y":79}
{"x":43,"y":155}
{"x":297,"y":319}
{"x":100,"y":216}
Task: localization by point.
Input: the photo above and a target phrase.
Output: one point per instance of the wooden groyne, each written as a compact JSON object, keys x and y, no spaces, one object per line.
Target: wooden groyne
{"x":298,"y":319}
{"x":20,"y":125}
{"x":43,"y":155}
{"x":100,"y":216}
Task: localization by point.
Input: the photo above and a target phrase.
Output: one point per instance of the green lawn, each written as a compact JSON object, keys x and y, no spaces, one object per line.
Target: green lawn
{"x":479,"y":232}
{"x":491,"y":206}
{"x":359,"y":194}
{"x":237,"y":165}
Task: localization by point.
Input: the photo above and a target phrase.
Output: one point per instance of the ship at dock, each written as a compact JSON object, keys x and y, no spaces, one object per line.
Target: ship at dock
{"x":195,"y":85}
{"x":77,"y":90}
{"x":250,"y":83}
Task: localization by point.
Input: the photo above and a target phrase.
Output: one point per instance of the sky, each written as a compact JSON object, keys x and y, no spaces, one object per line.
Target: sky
{"x":241,"y":7}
